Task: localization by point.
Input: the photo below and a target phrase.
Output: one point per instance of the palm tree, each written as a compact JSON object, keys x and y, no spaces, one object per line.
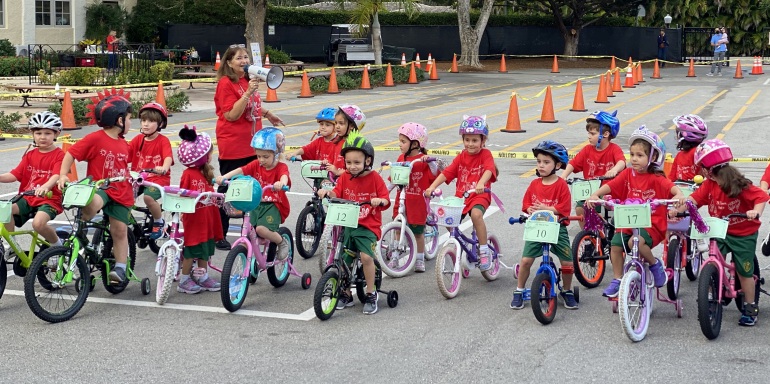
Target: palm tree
{"x":366,"y":16}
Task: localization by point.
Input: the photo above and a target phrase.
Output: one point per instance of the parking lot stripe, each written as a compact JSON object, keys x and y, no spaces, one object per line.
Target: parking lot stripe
{"x":738,"y":115}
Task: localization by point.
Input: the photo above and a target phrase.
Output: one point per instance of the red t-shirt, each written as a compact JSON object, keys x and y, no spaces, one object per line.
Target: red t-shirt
{"x":111,"y":43}
{"x":234,"y":137}
{"x":595,"y":163}
{"x":339,"y":160}
{"x":646,"y":186}
{"x":267,"y":177}
{"x":721,"y":205}
{"x":683,"y":168}
{"x":320,"y":149}
{"x":554,"y":195}
{"x":467,"y":169}
{"x":34,"y":170}
{"x":364,"y":188}
{"x":766,"y":175}
{"x":106,"y":158}
{"x":204,"y":224}
{"x":419,"y":180}
{"x":152,"y":154}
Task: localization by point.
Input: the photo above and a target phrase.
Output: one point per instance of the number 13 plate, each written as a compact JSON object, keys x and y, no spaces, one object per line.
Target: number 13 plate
{"x":345,"y":215}
{"x":239,"y":190}
{"x":633,"y":216}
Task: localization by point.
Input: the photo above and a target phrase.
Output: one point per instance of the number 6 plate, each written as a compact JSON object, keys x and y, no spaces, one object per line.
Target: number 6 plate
{"x":633,"y":216}
{"x":541,"y":231}
{"x":582,"y":190}
{"x":345,"y":215}
{"x":175,"y":203}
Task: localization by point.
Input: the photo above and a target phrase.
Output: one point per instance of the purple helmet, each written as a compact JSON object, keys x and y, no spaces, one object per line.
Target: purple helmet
{"x":690,"y":128}
{"x":195,"y":147}
{"x":474,"y":125}
{"x":658,"y":147}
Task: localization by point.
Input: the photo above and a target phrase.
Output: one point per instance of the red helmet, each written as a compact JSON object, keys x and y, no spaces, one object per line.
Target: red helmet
{"x":161,"y":109}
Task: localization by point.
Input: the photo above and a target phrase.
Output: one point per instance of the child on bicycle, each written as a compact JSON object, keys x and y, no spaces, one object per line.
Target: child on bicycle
{"x":203,"y":228}
{"x":107,"y":154}
{"x":268,"y":170}
{"x":153,"y":150}
{"x":691,"y":130}
{"x":412,"y":138}
{"x":323,"y":148}
{"x":349,"y":118}
{"x":39,"y":170}
{"x":360,"y":184}
{"x":601,"y":157}
{"x":548,"y":192}
{"x":727,"y":191}
{"x":643,"y":180}
{"x":474,"y":168}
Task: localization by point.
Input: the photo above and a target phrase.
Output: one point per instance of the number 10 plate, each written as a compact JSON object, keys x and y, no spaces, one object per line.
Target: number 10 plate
{"x":633,"y":216}
{"x":541,"y":231}
{"x":345,"y":215}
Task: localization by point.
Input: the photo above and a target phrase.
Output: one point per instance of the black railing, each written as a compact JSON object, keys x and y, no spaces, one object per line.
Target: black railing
{"x":696,"y":44}
{"x":122,"y":59}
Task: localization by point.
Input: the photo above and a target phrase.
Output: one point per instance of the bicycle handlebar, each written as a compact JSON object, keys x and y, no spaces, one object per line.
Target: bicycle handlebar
{"x":337,"y":200}
{"x":468,"y":192}
{"x":271,"y":187}
{"x":575,"y":179}
{"x":426,"y":159}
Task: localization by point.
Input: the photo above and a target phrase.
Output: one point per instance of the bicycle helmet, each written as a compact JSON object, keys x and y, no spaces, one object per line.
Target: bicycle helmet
{"x":657,"y":146}
{"x":711,"y":153}
{"x":269,"y":139}
{"x":553,"y":149}
{"x":357,"y":142}
{"x":690,"y":128}
{"x":110,"y":110}
{"x":415,"y":132}
{"x":161,"y":109}
{"x":326,"y":114}
{"x":474,"y":125}
{"x":603,"y":118}
{"x":354,"y":115}
{"x":194,"y":148}
{"x":45,"y":120}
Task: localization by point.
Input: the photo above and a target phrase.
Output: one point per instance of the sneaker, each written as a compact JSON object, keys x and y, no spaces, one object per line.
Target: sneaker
{"x":719,"y":73}
{"x":222,"y":245}
{"x":518,"y":300}
{"x":209,"y":284}
{"x":612,"y":290}
{"x":709,"y":74}
{"x":188,"y":286}
{"x":117,"y":276}
{"x":569,"y":300}
{"x":659,"y":274}
{"x":283,"y":250}
{"x":485,"y":260}
{"x":749,"y":317}
{"x":157,"y":229}
{"x":370,"y":307}
{"x":747,"y":321}
{"x":419,"y":266}
{"x":344,"y":301}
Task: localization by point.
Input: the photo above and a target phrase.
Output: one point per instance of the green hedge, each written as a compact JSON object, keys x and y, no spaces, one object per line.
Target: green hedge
{"x":14,"y":66}
{"x":352,"y":80}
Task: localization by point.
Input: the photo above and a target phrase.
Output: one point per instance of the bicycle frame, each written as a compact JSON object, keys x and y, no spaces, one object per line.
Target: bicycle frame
{"x":257,"y":251}
{"x":25,"y":259}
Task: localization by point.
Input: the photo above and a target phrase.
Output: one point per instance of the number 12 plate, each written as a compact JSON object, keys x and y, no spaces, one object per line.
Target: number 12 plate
{"x":345,"y":215}
{"x":633,"y":216}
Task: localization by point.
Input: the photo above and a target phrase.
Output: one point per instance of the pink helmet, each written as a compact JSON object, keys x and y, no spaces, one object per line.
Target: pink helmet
{"x":713,"y":152}
{"x":658,"y":147}
{"x":354,"y":115}
{"x":416,"y":132}
{"x":195,"y":147}
{"x":690,"y":128}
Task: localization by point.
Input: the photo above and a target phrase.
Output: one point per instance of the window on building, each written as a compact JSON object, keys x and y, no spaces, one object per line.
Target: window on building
{"x":49,"y":12}
{"x":2,"y":13}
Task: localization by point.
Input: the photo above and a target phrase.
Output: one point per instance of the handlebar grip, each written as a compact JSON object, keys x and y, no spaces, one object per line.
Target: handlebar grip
{"x":517,"y":220}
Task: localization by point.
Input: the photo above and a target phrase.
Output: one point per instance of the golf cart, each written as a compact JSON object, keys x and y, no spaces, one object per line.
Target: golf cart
{"x":347,"y":48}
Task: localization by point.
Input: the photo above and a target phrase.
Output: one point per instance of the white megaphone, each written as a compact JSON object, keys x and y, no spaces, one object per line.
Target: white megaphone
{"x":272,"y":76}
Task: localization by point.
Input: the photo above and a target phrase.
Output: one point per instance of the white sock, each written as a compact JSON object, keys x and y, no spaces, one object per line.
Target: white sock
{"x":159,"y":220}
{"x":520,"y":289}
{"x":484,"y":248}
{"x":421,"y":256}
{"x":57,"y":243}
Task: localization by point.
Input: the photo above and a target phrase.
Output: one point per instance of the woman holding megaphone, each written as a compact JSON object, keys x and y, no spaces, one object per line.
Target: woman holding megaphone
{"x":239,"y":112}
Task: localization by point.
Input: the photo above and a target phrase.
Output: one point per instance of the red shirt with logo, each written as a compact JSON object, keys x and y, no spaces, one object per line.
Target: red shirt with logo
{"x":150,"y":155}
{"x":683,"y":167}
{"x":646,"y":186}
{"x":364,"y":188}
{"x":766,"y":175}
{"x":106,"y":158}
{"x":419,"y":180}
{"x":234,"y":137}
{"x":34,"y":170}
{"x":204,"y":224}
{"x":594,"y":163}
{"x":721,"y":205}
{"x":339,"y":160}
{"x":267,"y":177}
{"x":467,"y":169}
{"x":555,"y":195}
{"x":320,"y":149}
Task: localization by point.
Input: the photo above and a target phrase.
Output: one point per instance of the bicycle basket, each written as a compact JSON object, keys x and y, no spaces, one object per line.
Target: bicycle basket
{"x":399,"y":174}
{"x":6,"y":209}
{"x":679,"y":225}
{"x":244,"y":193}
{"x":308,"y":173}
{"x":449,"y":211}
{"x":232,"y":212}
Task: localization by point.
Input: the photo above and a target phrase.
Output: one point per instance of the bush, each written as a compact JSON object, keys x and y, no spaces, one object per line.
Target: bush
{"x":79,"y":108}
{"x":277,"y":56}
{"x":76,"y":76}
{"x":8,"y":122}
{"x":6,"y":48}
{"x":177,"y":102}
{"x":14,"y":66}
{"x":163,"y":70}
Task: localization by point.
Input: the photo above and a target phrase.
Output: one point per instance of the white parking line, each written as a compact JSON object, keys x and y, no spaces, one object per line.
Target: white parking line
{"x":490,"y":211}
{"x":766,"y":82}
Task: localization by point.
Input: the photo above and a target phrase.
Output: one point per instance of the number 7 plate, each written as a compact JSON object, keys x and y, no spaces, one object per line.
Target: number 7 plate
{"x":541,"y":231}
{"x":633,"y":216}
{"x":345,"y":215}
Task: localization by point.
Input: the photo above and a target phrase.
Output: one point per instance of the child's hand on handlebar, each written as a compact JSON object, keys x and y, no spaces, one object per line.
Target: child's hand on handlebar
{"x":589,"y":204}
{"x":479,"y":188}
{"x":63,"y":180}
{"x":610,"y":173}
{"x":752,"y":214}
{"x":376,"y":202}
{"x":41,"y":190}
{"x":429,"y":192}
{"x":161,"y":170}
{"x":278,"y":185}
{"x":322,"y":193}
{"x":219,"y":180}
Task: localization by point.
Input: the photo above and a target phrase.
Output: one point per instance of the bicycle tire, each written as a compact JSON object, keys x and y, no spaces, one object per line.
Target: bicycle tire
{"x":360,"y":282}
{"x":327,"y":258}
{"x":157,"y":243}
{"x":709,"y":306}
{"x":446,"y":260}
{"x":766,"y":245}
{"x":395,"y":262}
{"x":278,"y":280}
{"x":589,"y":273}
{"x":166,"y":276}
{"x":326,"y":293}
{"x":494,"y":245}
{"x":3,"y":275}
{"x":234,"y":286}
{"x":674,"y":262}
{"x":109,"y":258}
{"x":634,"y":324}
{"x":308,"y":232}
{"x":692,"y":268}
{"x":36,"y":299}
{"x":432,"y":245}
{"x":543,"y":304}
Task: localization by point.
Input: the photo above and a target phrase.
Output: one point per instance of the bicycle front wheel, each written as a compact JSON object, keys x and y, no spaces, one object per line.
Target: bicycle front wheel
{"x":326,"y":294}
{"x":309,"y":229}
{"x":709,"y":305}
{"x":543,"y":303}
{"x":447,"y":278}
{"x":634,"y":312}
{"x":234,"y":285}
{"x":398,"y":250}
{"x":586,"y":253}
{"x":62,"y":300}
{"x":168,"y":264}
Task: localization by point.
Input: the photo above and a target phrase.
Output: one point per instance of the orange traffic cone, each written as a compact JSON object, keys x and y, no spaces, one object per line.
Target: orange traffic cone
{"x":160,"y":96}
{"x":757,"y":68}
{"x":555,"y":67}
{"x":73,"y":174}
{"x":417,"y":59}
{"x":365,"y":78}
{"x":433,"y":72}
{"x":608,"y":84}
{"x":218,"y":62}
{"x":333,"y":82}
{"x":601,"y":97}
{"x":513,"y":124}
{"x":630,"y":61}
{"x":616,"y":84}
{"x":639,"y":73}
{"x":267,"y":60}
{"x":738,"y":71}
{"x":635,"y":74}
{"x":271,"y":96}
{"x":412,"y":75}
{"x":403,"y":59}
{"x":429,"y":64}
{"x":546,"y":116}
{"x":612,"y":64}
{"x":503,"y":68}
{"x":691,"y":71}
{"x":577,"y":103}
{"x":629,"y":78}
{"x":656,"y":71}
{"x":388,"y":78}
{"x":305,"y":90}
{"x":454,"y":64}
{"x":68,"y":114}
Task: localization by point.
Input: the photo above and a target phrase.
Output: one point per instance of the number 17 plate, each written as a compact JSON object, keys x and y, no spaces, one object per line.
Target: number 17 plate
{"x":633,"y":216}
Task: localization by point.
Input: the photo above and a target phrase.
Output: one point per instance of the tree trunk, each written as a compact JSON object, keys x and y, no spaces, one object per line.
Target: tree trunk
{"x":377,"y":38}
{"x":255,"y":24}
{"x":470,"y":37}
{"x":571,"y":38}
{"x":469,"y":47}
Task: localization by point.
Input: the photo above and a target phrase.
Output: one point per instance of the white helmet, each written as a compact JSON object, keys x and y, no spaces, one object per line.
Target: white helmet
{"x":45,"y":120}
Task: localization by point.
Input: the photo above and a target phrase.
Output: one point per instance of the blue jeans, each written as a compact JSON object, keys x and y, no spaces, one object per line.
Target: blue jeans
{"x":662,"y":56}
{"x":112,"y":61}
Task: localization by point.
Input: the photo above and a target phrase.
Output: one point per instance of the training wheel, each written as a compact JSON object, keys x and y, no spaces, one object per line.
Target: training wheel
{"x":516,"y":271}
{"x":466,"y":273}
{"x":679,"y":308}
{"x":306,"y":280}
{"x":146,"y":287}
{"x":576,"y":292}
{"x":392,"y":299}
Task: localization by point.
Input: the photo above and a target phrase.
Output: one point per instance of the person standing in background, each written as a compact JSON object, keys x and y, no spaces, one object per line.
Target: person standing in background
{"x":662,"y":44}
{"x":112,"y":43}
{"x":719,"y":42}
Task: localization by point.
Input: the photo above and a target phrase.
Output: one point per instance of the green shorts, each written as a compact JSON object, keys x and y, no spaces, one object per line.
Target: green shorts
{"x":743,"y":249}
{"x":360,"y":239}
{"x":582,"y":203}
{"x":152,"y":192}
{"x":113,"y":209}
{"x":417,"y":229}
{"x":561,"y":249}
{"x":622,"y":238}
{"x":477,"y":206}
{"x":266,"y":215}
{"x":26,"y":212}
{"x":202,"y":251}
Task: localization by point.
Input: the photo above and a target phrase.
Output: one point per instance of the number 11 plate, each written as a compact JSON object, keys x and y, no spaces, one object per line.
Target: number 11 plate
{"x":345,"y":215}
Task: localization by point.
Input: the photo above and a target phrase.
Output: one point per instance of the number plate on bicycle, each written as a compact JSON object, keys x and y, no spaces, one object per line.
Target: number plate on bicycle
{"x":239,"y":190}
{"x":399,"y":174}
{"x":78,"y":195}
{"x":307,"y":172}
{"x":6,"y":209}
{"x":541,"y":231}
{"x":345,"y":215}
{"x":686,"y":191}
{"x":582,"y":190}
{"x":633,"y":216}
{"x":176,"y":203}
{"x":717,"y":229}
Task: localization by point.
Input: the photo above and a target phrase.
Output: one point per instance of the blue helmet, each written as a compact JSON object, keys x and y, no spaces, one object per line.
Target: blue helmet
{"x":555,"y":150}
{"x":326,"y":114}
{"x":603,"y":118}
{"x":269,"y":139}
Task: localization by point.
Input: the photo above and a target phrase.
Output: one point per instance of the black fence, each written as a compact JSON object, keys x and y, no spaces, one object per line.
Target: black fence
{"x":697,"y":45}
{"x":125,"y":58}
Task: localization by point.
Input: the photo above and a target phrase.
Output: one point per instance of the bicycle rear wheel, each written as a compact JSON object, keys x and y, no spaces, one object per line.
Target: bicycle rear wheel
{"x":709,"y":305}
{"x":543,"y":303}
{"x":586,"y":248}
{"x":279,"y":272}
{"x":397,"y":257}
{"x":693,"y":264}
{"x":634,"y":312}
{"x":168,"y":265}
{"x":63,"y":300}
{"x":447,"y":279}
{"x":309,"y":229}
{"x":494,"y":246}
{"x":234,"y":285}
{"x":674,"y":262}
